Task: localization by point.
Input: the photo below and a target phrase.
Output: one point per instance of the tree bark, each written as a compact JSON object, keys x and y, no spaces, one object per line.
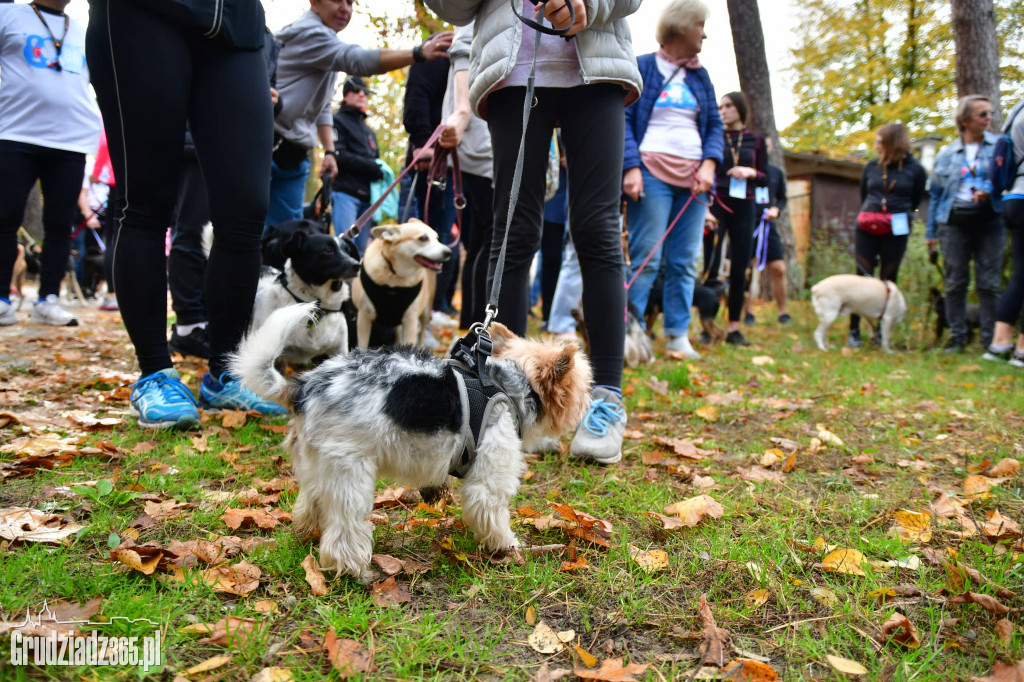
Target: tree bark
{"x":752,"y":66}
{"x":977,"y":53}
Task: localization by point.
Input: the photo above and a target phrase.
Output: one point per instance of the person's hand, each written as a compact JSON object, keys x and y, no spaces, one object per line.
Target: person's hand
{"x":772,"y":212}
{"x":557,"y":12}
{"x":454,"y":128}
{"x":980,"y":196}
{"x":329,"y":166}
{"x":704,"y":178}
{"x":710,"y":223}
{"x":437,"y":45}
{"x":274,"y":97}
{"x":93,"y":223}
{"x":742,"y":172}
{"x":633,"y":183}
{"x":424,"y":162}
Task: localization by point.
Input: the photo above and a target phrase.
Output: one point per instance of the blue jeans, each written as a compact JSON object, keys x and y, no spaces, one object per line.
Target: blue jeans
{"x":287,"y":193}
{"x":346,"y":208}
{"x":648,"y":219}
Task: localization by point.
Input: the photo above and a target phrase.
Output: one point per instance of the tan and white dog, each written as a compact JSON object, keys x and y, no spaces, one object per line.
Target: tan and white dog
{"x":396,"y":284}
{"x":880,"y":302}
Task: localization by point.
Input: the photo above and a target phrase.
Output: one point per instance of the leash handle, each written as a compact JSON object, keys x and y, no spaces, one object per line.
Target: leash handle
{"x":539,"y":26}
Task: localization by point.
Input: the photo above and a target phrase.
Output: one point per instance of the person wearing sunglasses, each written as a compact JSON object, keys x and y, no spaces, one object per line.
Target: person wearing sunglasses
{"x":48,"y":123}
{"x":965,"y":220}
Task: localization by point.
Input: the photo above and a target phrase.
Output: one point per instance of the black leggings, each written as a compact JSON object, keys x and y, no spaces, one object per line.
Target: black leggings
{"x":592,"y":125}
{"x":150,"y":78}
{"x":739,"y":225}
{"x":478,"y":224}
{"x":186,"y":264}
{"x":884,"y":251}
{"x":552,"y":247}
{"x":1011,"y":304}
{"x":60,"y":176}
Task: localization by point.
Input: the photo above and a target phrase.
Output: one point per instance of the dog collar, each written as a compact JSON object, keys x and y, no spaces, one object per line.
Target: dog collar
{"x":319,"y":311}
{"x":389,"y":302}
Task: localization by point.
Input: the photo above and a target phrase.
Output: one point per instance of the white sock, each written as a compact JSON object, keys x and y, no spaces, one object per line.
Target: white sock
{"x":186,"y":329}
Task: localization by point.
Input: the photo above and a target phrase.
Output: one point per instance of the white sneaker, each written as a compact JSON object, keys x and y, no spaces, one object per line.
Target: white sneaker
{"x":681,"y":344}
{"x":109,"y":302}
{"x":599,"y":435}
{"x":8,"y":316}
{"x":442,"y":321}
{"x":49,"y":311}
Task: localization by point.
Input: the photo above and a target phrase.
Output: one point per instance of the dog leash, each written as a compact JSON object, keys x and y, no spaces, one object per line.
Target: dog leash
{"x":761,"y":241}
{"x":437,"y":176}
{"x":693,"y":197}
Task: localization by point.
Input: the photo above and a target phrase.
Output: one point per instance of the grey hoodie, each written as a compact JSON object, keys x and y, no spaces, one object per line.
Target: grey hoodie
{"x":311,"y":54}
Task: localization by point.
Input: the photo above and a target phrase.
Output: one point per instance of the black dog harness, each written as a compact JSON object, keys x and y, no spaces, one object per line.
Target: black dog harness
{"x":320,"y":310}
{"x":389,"y":302}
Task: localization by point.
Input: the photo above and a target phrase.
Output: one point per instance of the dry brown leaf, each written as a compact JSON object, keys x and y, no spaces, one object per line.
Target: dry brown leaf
{"x":231,"y":631}
{"x":26,"y":466}
{"x":389,"y":564}
{"x":652,"y":561}
{"x":140,"y":558}
{"x":208,"y":665}
{"x":544,"y":640}
{"x":583,"y":525}
{"x":999,"y":527}
{"x":52,"y":619}
{"x":588,"y":659}
{"x":683,"y":447}
{"x":1004,"y":630}
{"x":656,"y":385}
{"x":667,"y":522}
{"x":1004,"y":672}
{"x":573,"y":565}
{"x":757,"y":598}
{"x":389,"y":497}
{"x":265,"y":606}
{"x":825,"y":597}
{"x":612,"y":670}
{"x":987,"y":602}
{"x":272,"y":674}
{"x":22,"y":524}
{"x":976,"y":484}
{"x":717,"y":641}
{"x":707,"y":413}
{"x":236,"y":518}
{"x":789,"y":464}
{"x":758,"y":474}
{"x":947,"y":507}
{"x":845,"y":665}
{"x":746,"y":670}
{"x":389,"y":593}
{"x":531,"y":615}
{"x":692,"y":511}
{"x":913,"y":526}
{"x":955,"y":572}
{"x":844,"y":561}
{"x":233,"y":419}
{"x":899,"y":630}
{"x":314,"y":576}
{"x":545,"y":674}
{"x":1005,"y":467}
{"x":347,"y":656}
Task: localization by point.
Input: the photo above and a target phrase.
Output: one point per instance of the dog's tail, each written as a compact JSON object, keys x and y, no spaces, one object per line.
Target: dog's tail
{"x":254,"y":363}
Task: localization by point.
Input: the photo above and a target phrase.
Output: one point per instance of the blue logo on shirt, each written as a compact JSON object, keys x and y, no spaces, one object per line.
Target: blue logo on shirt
{"x":40,"y":53}
{"x":677,"y":96}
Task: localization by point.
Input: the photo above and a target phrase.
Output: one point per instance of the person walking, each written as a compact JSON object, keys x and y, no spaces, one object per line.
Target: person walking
{"x":673,"y":145}
{"x":964,"y":218}
{"x":584,"y":84}
{"x":891,"y":188}
{"x":48,"y":123}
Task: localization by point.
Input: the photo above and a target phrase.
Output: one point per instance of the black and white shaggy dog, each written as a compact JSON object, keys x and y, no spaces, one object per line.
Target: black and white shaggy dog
{"x":398,"y":413}
{"x":319,"y":267}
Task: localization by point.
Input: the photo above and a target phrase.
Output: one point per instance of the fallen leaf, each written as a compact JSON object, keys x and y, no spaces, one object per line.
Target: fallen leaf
{"x":717,"y":641}
{"x":987,"y":602}
{"x":976,"y":484}
{"x":1005,"y":467}
{"x":265,"y":606}
{"x":314,"y":576}
{"x":746,"y":670}
{"x":844,"y":561}
{"x":1004,"y":672}
{"x":825,"y":597}
{"x":683,"y":447}
{"x":545,"y":674}
{"x":762,"y":360}
{"x":389,"y":497}
{"x":52,"y":619}
{"x":584,"y":526}
{"x":707,"y":413}
{"x":390,"y":593}
{"x":531,"y":615}
{"x":913,"y":526}
{"x":758,"y":474}
{"x":208,"y":665}
{"x":899,"y":630}
{"x":845,"y":665}
{"x":389,"y":564}
{"x":22,"y":524}
{"x":947,"y":507}
{"x":757,"y":598}
{"x":826,"y":436}
{"x":144,"y":559}
{"x":659,"y":387}
{"x":588,"y":659}
{"x":770,"y":458}
{"x":544,"y":640}
{"x":612,"y":670}
{"x":272,"y":674}
{"x":233,"y":419}
{"x":667,"y":522}
{"x":652,"y":561}
{"x":692,"y":511}
{"x":999,"y":527}
{"x":347,"y":656}
{"x":1004,"y":630}
{"x":231,"y":631}
{"x":236,"y":518}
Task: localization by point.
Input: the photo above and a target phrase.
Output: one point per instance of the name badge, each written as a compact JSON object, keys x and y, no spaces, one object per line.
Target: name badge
{"x":761,"y":195}
{"x":738,"y":188}
{"x":900,"y":224}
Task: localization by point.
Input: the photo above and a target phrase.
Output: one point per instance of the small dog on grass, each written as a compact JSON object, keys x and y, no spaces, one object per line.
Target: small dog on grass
{"x":880,"y":303}
{"x":400,"y":413}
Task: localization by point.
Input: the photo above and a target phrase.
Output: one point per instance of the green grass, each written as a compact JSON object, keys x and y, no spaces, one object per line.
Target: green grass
{"x":469,"y":621}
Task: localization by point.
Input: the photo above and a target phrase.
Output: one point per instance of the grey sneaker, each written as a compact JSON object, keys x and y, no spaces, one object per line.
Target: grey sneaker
{"x":49,"y":311}
{"x":8,"y":316}
{"x":681,"y":344}
{"x":599,"y":435}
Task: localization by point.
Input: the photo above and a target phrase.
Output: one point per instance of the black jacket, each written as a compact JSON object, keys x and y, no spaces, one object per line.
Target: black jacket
{"x":357,"y":153}
{"x":424,"y":95}
{"x":776,"y":187}
{"x":903,"y":197}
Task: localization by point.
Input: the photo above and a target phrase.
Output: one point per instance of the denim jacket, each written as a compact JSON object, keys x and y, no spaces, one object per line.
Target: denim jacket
{"x":946,"y":178}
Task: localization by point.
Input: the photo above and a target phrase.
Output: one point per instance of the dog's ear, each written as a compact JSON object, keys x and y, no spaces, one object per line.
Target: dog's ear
{"x":500,"y":334}
{"x":564,"y":363}
{"x":293,"y":244}
{"x":388,"y":233}
{"x":348,"y":247}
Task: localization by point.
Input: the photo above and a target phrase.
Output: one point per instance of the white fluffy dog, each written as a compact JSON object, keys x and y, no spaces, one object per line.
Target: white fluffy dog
{"x":401,"y":413}
{"x":879,"y":302}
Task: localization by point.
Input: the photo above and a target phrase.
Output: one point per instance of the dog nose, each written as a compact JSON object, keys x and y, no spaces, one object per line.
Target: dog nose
{"x":446,"y":256}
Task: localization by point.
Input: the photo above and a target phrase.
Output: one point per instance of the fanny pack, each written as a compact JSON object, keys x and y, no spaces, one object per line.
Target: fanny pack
{"x":287,"y":154}
{"x":971,"y":215}
{"x":874,"y":222}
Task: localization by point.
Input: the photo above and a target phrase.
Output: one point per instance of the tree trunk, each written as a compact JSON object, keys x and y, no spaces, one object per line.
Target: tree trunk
{"x":977,"y":53}
{"x":752,"y":65}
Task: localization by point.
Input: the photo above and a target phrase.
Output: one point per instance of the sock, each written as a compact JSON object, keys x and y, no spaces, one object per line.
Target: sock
{"x":614,"y":389}
{"x":1000,"y":349}
{"x":186,"y":329}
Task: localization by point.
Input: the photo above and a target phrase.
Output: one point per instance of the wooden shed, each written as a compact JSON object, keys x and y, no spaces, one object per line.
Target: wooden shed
{"x":824,"y":199}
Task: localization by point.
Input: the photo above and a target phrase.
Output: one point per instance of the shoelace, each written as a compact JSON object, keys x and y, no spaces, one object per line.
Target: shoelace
{"x":169,"y":389}
{"x":601,"y":414}
{"x":241,"y":392}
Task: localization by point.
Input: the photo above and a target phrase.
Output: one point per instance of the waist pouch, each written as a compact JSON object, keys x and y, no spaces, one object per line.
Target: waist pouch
{"x":875,"y":223}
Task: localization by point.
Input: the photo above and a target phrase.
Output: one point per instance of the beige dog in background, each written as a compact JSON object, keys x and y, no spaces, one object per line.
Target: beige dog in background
{"x":396,"y":284}
{"x":879,"y":302}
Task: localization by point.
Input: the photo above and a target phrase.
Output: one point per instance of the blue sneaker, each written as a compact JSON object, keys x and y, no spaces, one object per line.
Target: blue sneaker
{"x":161,"y":401}
{"x":228,"y":392}
{"x":599,"y":436}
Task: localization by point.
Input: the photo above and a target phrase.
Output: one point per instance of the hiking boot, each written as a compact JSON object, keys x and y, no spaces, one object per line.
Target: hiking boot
{"x":49,"y":311}
{"x":736,"y":338}
{"x":681,"y":344}
{"x":599,"y":435}
{"x":228,"y":393}
{"x":161,"y":401}
{"x":785,"y":318}
{"x":853,"y":339}
{"x":998,"y":353}
{"x":749,"y":319}
{"x":956,"y":344}
{"x":8,"y":315}
{"x":109,"y":302}
{"x":196,"y":343}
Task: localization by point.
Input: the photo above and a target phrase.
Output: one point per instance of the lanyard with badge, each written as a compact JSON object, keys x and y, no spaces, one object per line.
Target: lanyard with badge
{"x":900,"y":221}
{"x":57,"y":44}
{"x":737,"y":186}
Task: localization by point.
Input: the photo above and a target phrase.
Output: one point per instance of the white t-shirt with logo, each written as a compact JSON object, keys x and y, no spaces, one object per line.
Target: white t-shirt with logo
{"x":38,"y":104}
{"x":673,"y":125}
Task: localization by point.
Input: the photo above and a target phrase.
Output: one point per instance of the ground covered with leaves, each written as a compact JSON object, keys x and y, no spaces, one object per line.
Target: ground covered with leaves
{"x":780,"y":513}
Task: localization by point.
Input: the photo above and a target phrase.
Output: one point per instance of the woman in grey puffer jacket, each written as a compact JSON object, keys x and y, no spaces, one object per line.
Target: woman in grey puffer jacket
{"x":583,"y":85}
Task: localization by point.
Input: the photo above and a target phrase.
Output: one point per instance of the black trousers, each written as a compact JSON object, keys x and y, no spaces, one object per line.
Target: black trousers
{"x":1011,"y":304}
{"x":882,"y":251}
{"x":552,"y":248}
{"x":60,"y":175}
{"x":150,"y":77}
{"x":739,"y":225}
{"x":592,"y":122}
{"x":478,"y":227}
{"x":186,"y":264}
